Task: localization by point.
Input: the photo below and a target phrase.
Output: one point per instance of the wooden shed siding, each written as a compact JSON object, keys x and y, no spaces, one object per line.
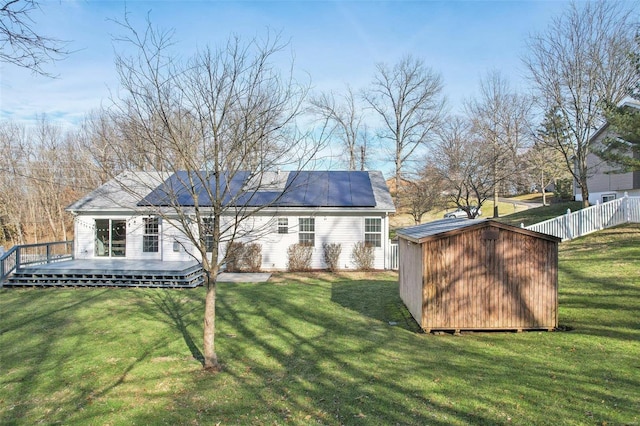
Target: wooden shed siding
{"x":411,"y":288}
{"x":473,"y":281}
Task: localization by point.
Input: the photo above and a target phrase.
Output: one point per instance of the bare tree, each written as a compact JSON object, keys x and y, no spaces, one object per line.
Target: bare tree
{"x":408,"y":99}
{"x":13,"y":187}
{"x":464,"y":166}
{"x":43,"y":170}
{"x":221,"y":121}
{"x":547,"y":158}
{"x":20,"y":43}
{"x":347,"y":124}
{"x":500,"y":121}
{"x":424,"y":194}
{"x":545,"y":166}
{"x":578,"y":64}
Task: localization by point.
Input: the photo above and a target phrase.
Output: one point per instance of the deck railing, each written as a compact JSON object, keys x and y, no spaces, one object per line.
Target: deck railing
{"x":34,"y":254}
{"x":591,"y":219}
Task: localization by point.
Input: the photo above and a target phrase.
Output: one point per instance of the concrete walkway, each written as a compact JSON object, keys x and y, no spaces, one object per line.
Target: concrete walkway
{"x":243,"y":277}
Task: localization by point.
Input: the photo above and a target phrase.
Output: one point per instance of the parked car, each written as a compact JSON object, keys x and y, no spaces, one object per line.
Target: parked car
{"x":459,"y":213}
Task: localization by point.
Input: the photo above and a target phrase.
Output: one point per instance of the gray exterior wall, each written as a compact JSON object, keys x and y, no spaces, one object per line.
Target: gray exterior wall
{"x":603,"y":180}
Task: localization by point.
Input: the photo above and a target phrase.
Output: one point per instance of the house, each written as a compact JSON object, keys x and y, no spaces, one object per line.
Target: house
{"x":605,"y":182}
{"x":460,"y":274}
{"x":122,"y":220}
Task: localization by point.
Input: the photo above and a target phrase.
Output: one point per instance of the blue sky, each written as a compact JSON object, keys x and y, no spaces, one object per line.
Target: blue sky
{"x":335,"y":43}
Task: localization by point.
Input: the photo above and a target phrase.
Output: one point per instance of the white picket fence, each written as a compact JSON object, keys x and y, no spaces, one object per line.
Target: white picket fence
{"x":591,"y":219}
{"x":394,"y":258}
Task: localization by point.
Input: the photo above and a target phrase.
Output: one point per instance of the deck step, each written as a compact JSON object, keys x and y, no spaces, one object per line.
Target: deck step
{"x":189,"y":279}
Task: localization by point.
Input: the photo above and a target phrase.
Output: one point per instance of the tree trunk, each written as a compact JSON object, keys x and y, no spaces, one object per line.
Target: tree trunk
{"x":398,"y":179}
{"x":495,"y":189}
{"x":584,"y":190}
{"x":210,"y":357}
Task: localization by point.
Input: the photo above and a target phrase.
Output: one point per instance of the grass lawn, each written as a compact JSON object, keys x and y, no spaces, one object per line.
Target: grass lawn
{"x":540,"y":214}
{"x":323,"y":349}
{"x":403,"y":219}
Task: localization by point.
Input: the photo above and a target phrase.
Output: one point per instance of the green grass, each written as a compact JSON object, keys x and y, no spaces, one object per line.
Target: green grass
{"x":323,"y":349}
{"x":540,"y":214}
{"x":535,"y":197}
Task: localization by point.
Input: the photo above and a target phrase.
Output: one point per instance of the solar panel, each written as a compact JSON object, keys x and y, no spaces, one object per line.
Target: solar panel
{"x":296,"y":189}
{"x":339,"y":190}
{"x":317,"y":189}
{"x":361,"y":190}
{"x":303,"y":189}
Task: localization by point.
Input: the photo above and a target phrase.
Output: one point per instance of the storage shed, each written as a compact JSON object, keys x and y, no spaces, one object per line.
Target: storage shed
{"x":460,"y":274}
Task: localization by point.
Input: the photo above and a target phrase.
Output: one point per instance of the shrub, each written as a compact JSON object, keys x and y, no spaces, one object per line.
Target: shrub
{"x":252,"y":258}
{"x":362,"y":256}
{"x":299,"y":257}
{"x":235,"y":252}
{"x":331,"y":252}
{"x":244,"y":257}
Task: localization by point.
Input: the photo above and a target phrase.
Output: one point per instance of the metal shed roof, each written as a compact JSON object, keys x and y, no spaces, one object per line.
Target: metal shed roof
{"x":442,"y":227}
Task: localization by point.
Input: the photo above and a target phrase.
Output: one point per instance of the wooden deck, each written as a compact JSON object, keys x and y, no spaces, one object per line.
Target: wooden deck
{"x":110,"y":273}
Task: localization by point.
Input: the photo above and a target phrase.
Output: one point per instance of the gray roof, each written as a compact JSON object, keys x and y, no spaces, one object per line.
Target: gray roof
{"x":436,"y":227}
{"x":426,"y":230}
{"x":381,"y":191}
{"x":329,"y":189}
{"x":120,"y":193}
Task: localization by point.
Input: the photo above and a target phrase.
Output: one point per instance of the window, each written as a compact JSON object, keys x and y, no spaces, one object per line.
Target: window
{"x":150,"y":237}
{"x":111,"y":238}
{"x":283,"y":225}
{"x":608,"y":197}
{"x":373,"y":232}
{"x":207,"y":228}
{"x":306,"y":231}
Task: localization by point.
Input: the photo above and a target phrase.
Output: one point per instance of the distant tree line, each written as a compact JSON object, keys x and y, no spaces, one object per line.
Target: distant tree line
{"x":502,"y":142}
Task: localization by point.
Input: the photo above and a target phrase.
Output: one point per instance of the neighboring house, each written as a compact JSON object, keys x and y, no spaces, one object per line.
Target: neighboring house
{"x":119,"y":219}
{"x":604,"y":182}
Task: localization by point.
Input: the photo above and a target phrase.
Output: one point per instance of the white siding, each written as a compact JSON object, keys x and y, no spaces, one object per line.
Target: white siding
{"x":180,"y":251}
{"x":135,"y":233}
{"x":85,"y":237}
{"x":333,"y":227}
{"x":346,"y":230}
{"x":84,"y":231}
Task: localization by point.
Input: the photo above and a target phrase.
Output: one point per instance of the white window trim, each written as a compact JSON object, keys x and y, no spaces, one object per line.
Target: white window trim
{"x":312,"y":233}
{"x":207,"y":222}
{"x":153,"y":234}
{"x":379,"y":233}
{"x":283,"y":226}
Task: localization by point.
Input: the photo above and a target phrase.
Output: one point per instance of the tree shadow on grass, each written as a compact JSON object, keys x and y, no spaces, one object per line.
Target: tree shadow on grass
{"x":175,"y":307}
{"x":386,"y":307}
